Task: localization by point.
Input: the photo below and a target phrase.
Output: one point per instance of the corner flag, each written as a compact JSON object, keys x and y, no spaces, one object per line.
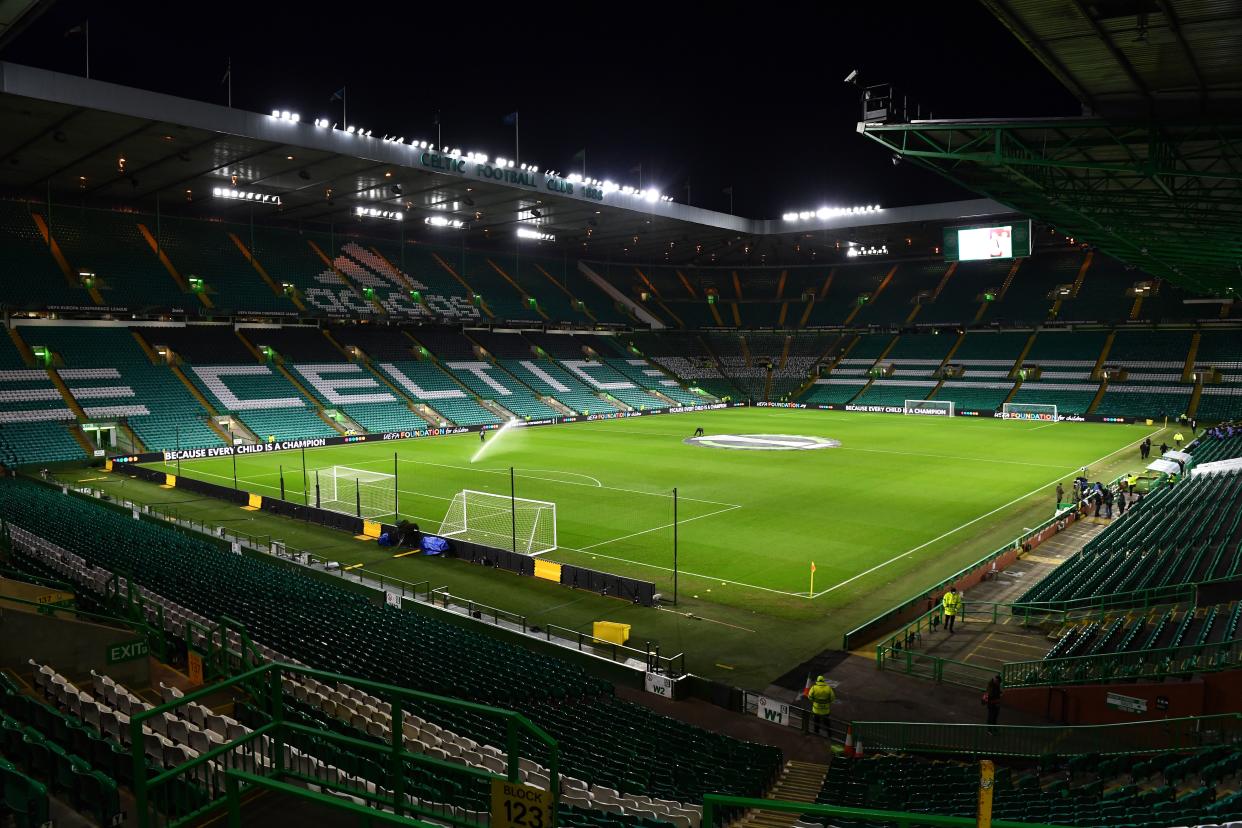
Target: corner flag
{"x":811,"y":594}
{"x":806,"y":689}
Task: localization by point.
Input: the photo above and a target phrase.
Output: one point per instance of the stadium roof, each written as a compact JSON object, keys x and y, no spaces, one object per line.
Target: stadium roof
{"x":64,"y":138}
{"x":1153,"y":175}
{"x":1131,"y":57}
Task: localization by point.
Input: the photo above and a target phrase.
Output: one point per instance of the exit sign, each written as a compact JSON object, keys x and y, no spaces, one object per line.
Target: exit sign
{"x":128,"y":651}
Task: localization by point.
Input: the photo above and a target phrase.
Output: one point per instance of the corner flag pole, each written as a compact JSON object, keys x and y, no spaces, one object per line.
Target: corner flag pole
{"x":811,"y":594}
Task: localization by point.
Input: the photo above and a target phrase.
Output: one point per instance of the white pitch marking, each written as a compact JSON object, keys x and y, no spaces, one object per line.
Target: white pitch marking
{"x":1031,"y":493}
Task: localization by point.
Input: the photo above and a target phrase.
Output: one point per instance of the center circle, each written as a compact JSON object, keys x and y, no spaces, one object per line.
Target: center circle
{"x":764,"y":442}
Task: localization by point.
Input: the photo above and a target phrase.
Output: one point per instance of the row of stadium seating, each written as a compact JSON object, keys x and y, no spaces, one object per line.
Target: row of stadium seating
{"x":602,"y":737}
{"x":154,"y":263}
{"x":1069,"y":285}
{"x":165,"y":382}
{"x":1179,"y":534}
{"x":1127,"y":790}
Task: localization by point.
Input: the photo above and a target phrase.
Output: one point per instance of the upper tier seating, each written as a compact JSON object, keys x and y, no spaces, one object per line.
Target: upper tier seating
{"x":1030,"y":296}
{"x":111,"y":377}
{"x":28,"y":273}
{"x":1223,"y":350}
{"x":489,"y":381}
{"x":960,"y":300}
{"x":602,"y":738}
{"x":112,"y":247}
{"x":913,"y":282}
{"x":206,"y":250}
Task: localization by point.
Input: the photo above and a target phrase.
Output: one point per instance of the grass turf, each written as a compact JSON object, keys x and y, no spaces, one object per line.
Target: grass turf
{"x":897,"y":497}
{"x":740,"y":636}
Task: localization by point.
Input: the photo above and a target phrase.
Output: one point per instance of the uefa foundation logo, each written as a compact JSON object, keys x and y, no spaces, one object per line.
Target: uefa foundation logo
{"x":764,"y":442}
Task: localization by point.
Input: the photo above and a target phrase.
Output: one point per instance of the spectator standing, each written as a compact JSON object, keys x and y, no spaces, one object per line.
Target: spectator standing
{"x":992,"y":697}
{"x":1164,"y":449}
{"x":952,"y":604}
{"x":822,"y":696}
{"x":1060,"y":496}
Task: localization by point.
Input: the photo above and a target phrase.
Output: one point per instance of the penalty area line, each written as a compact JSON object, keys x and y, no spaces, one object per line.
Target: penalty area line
{"x":1018,"y":499}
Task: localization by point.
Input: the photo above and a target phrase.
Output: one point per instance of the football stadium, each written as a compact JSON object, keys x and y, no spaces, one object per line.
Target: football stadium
{"x":356,"y":469}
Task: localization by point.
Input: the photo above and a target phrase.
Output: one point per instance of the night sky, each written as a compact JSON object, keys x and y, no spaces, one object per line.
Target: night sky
{"x":750,"y":97}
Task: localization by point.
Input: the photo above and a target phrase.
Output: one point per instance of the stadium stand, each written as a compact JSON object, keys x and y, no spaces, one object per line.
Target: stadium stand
{"x":1220,"y":350}
{"x":1153,"y":361}
{"x":987,"y":359}
{"x":110,"y":375}
{"x":602,"y":737}
{"x":914,"y":359}
{"x":111,"y":245}
{"x":1103,"y":293}
{"x":1181,"y":534}
{"x":1035,"y":287}
{"x":32,"y":277}
{"x":1067,"y":359}
{"x":207,"y":250}
{"x":848,"y":290}
{"x":910,"y":286}
{"x":35,"y":420}
{"x":457,"y":353}
{"x":686,"y":356}
{"x":962,"y":299}
{"x":1088,"y":790}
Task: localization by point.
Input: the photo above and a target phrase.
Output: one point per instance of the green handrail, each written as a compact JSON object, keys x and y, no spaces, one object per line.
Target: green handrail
{"x":902,"y":819}
{"x":1125,"y":665}
{"x":234,"y":779}
{"x":265,"y":682}
{"x":1034,"y":741}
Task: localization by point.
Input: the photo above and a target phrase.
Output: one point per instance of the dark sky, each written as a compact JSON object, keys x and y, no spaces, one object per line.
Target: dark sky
{"x":714,"y":95}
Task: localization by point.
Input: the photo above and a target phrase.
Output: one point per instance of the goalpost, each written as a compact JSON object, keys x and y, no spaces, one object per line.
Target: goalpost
{"x":1030,"y":411}
{"x":367,"y":494}
{"x":501,"y":521}
{"x":930,"y":408}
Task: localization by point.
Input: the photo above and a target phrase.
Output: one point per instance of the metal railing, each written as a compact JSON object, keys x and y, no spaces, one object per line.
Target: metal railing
{"x":1151,"y":736}
{"x":717,"y":807}
{"x":1124,"y":666}
{"x":859,"y":634}
{"x":199,"y":787}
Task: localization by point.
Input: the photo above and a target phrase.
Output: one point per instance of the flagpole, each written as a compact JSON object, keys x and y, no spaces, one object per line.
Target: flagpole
{"x":88,"y":48}
{"x":229,"y":75}
{"x":517,"y":136}
{"x":811,"y":594}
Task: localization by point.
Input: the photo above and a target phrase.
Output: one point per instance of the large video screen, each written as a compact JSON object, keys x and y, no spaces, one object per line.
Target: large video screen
{"x":983,"y":242}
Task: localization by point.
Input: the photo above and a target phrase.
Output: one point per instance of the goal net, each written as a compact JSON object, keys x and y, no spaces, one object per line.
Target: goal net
{"x":367,"y":494}
{"x":523,"y":525}
{"x":1029,"y":411}
{"x":930,"y":408}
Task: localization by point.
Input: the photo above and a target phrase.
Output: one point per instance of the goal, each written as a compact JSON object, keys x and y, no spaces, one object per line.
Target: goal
{"x":366,"y":494}
{"x":931,"y":408}
{"x":1030,"y":411}
{"x":517,"y":523}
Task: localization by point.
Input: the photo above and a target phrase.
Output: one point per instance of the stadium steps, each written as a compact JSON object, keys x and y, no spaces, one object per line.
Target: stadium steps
{"x":1136,"y":310}
{"x":58,"y":255}
{"x":495,"y":409}
{"x":470,"y":291}
{"x":940,"y":286}
{"x":76,"y":432}
{"x":785,"y":351}
{"x":798,"y":782}
{"x":258,"y":268}
{"x":574,"y":300}
{"x":1192,"y":407}
{"x":331,"y":264}
{"x":1075,"y":287}
{"x":1013,"y":272}
{"x":1017,"y":365}
{"x":401,"y":277}
{"x":810,"y":306}
{"x":1099,"y":362}
{"x":163,"y":259}
{"x":65,"y":393}
{"x":949,"y":356}
{"x":23,"y":350}
{"x":1188,"y":370}
{"x":888,"y":278}
{"x":1099,"y":395}
{"x":421,"y":409}
{"x":526,"y":297}
{"x":660,"y":301}
{"x":194,"y":392}
{"x":307,"y":395}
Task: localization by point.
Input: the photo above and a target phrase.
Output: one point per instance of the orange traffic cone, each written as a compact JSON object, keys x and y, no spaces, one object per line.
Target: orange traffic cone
{"x":858,"y":750}
{"x":849,"y":742}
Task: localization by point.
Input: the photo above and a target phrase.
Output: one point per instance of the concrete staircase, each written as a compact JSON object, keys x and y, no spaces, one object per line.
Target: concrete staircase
{"x":799,"y":782}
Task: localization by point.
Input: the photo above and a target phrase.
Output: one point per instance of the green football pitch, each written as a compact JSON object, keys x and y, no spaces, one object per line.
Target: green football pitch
{"x":898,"y":501}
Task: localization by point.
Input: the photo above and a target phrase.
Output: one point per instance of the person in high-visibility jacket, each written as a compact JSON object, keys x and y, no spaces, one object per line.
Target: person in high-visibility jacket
{"x":822,"y":696}
{"x":952,"y":605}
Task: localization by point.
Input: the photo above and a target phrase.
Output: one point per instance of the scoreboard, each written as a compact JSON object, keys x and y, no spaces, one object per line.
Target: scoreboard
{"x":988,"y":241}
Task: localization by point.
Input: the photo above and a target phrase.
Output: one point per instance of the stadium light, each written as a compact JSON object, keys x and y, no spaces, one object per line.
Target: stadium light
{"x":375,"y":212}
{"x":526,"y":233}
{"x":234,"y":194}
{"x":441,"y":221}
